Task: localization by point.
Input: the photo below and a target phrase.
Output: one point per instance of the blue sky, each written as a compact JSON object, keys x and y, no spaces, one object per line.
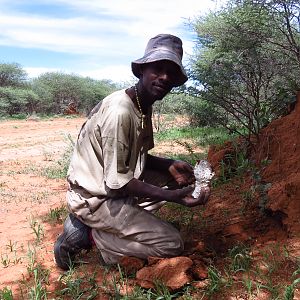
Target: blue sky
{"x":95,"y":38}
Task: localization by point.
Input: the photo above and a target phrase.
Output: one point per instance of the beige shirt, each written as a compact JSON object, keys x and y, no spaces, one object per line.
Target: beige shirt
{"x":112,"y":147}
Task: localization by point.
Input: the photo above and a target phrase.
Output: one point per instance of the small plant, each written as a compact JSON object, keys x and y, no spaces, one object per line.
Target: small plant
{"x":189,"y":148}
{"x":31,"y":260}
{"x":37,"y":280}
{"x":11,"y":246}
{"x":248,"y":195}
{"x":247,"y":282}
{"x":59,"y":168}
{"x":16,"y":259}
{"x":57,"y":214}
{"x":40,"y":279}
{"x":37,"y":230}
{"x":215,"y":281}
{"x":240,"y":258}
{"x":162,"y":291}
{"x":271,"y":258}
{"x":290,"y":289}
{"x":5,"y":260}
{"x":78,"y":287}
{"x":248,"y":198}
{"x":6,"y":294}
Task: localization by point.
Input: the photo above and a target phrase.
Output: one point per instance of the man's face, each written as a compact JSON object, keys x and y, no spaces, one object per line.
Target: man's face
{"x":158,"y":78}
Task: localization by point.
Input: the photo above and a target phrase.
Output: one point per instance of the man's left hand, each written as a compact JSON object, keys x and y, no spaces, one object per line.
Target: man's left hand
{"x":182,"y":172}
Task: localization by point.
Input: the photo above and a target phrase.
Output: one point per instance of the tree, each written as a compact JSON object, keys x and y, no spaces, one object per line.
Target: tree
{"x":12,"y":74}
{"x":16,"y":100}
{"x":61,"y":92}
{"x":237,"y":68}
{"x":286,"y":14}
{"x":16,"y":95}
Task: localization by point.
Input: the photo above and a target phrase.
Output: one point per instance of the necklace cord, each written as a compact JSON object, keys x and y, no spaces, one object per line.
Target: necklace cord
{"x":139,"y":106}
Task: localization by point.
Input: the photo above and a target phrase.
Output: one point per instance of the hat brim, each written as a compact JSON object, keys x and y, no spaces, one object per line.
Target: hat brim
{"x":158,"y":55}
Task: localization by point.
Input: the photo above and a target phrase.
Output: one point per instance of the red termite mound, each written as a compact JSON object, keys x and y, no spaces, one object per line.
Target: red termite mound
{"x":280,"y":144}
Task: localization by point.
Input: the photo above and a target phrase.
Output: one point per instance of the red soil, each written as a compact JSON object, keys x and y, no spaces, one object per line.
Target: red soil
{"x":224,"y":221}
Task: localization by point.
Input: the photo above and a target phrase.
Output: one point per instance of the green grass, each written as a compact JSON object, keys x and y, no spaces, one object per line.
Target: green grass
{"x":202,"y":136}
{"x":6,"y":294}
{"x":240,"y":259}
{"x":77,"y":286}
{"x":59,"y":169}
{"x":56,"y":215}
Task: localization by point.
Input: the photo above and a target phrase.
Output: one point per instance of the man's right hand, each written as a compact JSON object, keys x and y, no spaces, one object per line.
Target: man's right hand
{"x":184,"y":196}
{"x":181,"y":196}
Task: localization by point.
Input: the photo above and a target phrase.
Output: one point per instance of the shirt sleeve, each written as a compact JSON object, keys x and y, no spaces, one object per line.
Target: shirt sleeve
{"x":115,"y":142}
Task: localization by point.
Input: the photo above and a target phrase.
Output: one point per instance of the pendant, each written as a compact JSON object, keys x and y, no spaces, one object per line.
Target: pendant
{"x":143,"y":121}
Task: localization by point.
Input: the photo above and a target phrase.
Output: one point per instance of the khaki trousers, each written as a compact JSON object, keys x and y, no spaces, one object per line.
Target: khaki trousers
{"x":127,"y":226}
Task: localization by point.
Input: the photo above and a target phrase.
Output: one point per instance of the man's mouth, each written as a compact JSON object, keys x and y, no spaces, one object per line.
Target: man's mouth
{"x":162,"y":88}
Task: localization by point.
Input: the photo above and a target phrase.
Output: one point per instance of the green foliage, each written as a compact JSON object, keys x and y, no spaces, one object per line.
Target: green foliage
{"x":38,"y":278}
{"x":41,"y":278}
{"x":290,"y":290}
{"x":6,"y":294}
{"x":57,"y":214}
{"x":239,"y":69}
{"x":37,"y":229}
{"x":215,"y":281}
{"x":202,"y":112}
{"x":199,"y":111}
{"x":234,"y":164}
{"x":16,"y":100}
{"x":60,"y":93}
{"x":203,"y":136}
{"x":50,"y":93}
{"x":12,"y":74}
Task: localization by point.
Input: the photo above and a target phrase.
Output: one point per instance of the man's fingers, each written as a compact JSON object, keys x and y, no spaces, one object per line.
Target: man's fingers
{"x":202,"y":198}
{"x":205,"y":193}
{"x":188,"y":190}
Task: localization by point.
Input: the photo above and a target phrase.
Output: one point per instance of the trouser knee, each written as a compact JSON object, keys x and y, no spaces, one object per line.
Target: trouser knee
{"x":174,"y":246}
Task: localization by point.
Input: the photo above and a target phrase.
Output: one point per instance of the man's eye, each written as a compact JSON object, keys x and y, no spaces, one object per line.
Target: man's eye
{"x":157,"y":69}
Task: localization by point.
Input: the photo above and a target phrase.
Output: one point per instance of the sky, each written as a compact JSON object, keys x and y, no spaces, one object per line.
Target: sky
{"x":94,"y":38}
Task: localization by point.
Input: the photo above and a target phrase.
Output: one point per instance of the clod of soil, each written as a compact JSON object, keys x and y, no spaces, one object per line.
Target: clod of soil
{"x":170,"y":271}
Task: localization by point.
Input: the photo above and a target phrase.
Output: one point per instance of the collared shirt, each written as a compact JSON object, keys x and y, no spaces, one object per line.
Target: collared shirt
{"x":111,"y":148}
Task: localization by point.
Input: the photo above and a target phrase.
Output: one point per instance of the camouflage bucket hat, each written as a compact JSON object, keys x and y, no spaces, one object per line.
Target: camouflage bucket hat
{"x":163,"y":47}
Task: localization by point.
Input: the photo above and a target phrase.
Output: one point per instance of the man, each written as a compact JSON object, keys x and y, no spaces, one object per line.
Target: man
{"x":114,"y":184}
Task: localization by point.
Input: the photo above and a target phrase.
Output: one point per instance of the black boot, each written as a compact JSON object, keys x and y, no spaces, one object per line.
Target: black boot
{"x":75,"y":237}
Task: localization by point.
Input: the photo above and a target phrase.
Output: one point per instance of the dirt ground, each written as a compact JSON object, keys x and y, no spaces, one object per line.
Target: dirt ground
{"x":26,"y":196}
{"x":29,"y":146}
{"x":26,"y":148}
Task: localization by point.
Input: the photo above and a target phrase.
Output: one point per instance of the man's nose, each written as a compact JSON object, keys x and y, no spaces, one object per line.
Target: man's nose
{"x":164,"y":75}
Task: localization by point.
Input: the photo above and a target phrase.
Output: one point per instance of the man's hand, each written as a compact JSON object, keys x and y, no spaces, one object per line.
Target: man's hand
{"x":182,"y":172}
{"x":184,"y":196}
{"x":190,"y":201}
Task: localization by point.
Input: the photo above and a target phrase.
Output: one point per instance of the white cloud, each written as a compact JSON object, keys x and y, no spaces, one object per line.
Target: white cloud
{"x":98,"y":31}
{"x":117,"y":73}
{"x":76,"y":35}
{"x":102,"y":24}
{"x":35,"y":72}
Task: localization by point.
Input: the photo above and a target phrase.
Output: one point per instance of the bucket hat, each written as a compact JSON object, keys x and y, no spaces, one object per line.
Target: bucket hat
{"x":163,"y":47}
